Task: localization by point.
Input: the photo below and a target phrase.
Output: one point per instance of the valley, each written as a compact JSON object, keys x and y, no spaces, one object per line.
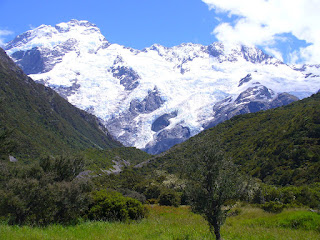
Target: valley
{"x":101,"y":141}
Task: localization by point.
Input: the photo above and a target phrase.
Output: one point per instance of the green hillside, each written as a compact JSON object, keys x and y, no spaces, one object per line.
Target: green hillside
{"x":97,"y":159}
{"x":42,"y":122}
{"x":280,"y":146}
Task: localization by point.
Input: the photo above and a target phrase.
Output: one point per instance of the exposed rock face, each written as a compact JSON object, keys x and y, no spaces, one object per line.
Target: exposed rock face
{"x":163,"y":121}
{"x":30,"y":61}
{"x":252,"y":100}
{"x":150,"y":103}
{"x":167,"y":138}
{"x":127,"y":76}
{"x":246,"y":79}
{"x":41,"y":60}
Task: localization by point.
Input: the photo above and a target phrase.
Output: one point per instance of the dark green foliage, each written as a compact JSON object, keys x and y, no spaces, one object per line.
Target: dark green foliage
{"x":41,"y":195}
{"x":145,"y":188}
{"x":133,"y":194}
{"x":112,"y":206}
{"x":291,"y":196}
{"x":152,"y":191}
{"x":62,"y":167}
{"x":7,"y":145}
{"x":169,"y":198}
{"x":273,"y":207}
{"x":42,"y":121}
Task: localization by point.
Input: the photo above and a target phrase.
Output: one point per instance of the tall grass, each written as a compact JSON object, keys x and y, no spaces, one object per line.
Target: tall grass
{"x":180,"y":224}
{"x":255,"y":224}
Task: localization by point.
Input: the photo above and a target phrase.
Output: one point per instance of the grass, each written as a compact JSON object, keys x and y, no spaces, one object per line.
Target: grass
{"x":255,"y":224}
{"x":180,"y":224}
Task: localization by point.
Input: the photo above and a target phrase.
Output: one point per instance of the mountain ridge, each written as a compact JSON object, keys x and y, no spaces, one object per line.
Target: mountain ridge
{"x":134,"y":90}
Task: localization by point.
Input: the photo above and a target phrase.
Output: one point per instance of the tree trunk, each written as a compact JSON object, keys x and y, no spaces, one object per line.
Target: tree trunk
{"x":217,"y":233}
{"x":215,"y":229}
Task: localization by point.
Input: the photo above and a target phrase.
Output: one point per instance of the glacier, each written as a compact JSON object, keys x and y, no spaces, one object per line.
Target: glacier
{"x":159,"y":96}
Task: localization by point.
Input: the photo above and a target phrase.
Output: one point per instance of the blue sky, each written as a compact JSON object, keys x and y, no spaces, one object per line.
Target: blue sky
{"x":289,"y":35}
{"x":133,"y":23}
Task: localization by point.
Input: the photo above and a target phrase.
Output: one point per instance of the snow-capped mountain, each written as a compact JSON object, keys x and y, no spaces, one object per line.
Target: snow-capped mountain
{"x":157,"y":97}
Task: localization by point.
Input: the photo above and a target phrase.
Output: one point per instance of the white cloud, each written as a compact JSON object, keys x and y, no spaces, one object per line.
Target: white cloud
{"x":262,"y":20}
{"x":3,"y":34}
{"x":275,"y":53}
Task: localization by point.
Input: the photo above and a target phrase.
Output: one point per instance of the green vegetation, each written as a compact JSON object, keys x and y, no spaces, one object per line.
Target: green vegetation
{"x":112,"y":206}
{"x":169,"y":198}
{"x":272,"y":207}
{"x":170,"y":223}
{"x":213,"y":181}
{"x":290,"y":219}
{"x":158,"y":187}
{"x":45,"y":193}
{"x":97,"y":159}
{"x":288,"y":196}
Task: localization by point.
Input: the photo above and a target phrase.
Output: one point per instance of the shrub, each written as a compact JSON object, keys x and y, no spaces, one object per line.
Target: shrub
{"x":289,"y":195}
{"x":273,"y":207}
{"x":152,"y":191}
{"x":109,"y":205}
{"x":30,"y":201}
{"x":38,"y":195}
{"x":169,"y":198}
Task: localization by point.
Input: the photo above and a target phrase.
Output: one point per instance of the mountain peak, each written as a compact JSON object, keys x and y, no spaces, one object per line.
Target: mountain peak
{"x":67,"y":26}
{"x":48,"y":37}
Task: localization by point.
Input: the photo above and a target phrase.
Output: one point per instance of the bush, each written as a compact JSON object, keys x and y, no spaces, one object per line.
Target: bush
{"x":273,"y":207}
{"x":112,"y":206}
{"x":29,"y":201}
{"x":152,"y":191}
{"x":289,"y":195}
{"x":169,"y":198}
{"x":37,"y":195}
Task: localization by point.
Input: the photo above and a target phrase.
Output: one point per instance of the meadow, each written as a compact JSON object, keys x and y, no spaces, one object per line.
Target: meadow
{"x":181,"y":224}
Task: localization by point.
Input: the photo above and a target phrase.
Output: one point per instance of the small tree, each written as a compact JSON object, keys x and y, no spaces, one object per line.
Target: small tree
{"x":213,"y":180}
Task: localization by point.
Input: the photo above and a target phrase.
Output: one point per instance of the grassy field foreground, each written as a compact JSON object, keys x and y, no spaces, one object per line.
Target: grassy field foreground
{"x":181,"y":224}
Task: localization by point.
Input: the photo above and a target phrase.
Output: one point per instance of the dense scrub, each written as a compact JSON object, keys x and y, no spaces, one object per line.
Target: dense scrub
{"x":288,"y":196}
{"x":44,"y":193}
{"x":51,"y":191}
